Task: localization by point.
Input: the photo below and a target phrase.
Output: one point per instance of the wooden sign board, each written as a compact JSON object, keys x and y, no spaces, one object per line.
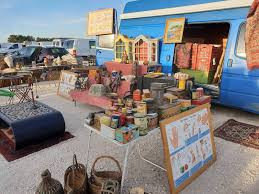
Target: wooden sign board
{"x":101,"y":22}
{"x":189,"y":146}
{"x":174,"y":30}
{"x":66,"y":83}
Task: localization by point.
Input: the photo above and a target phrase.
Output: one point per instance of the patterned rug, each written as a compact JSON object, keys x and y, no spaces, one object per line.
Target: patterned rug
{"x":241,"y":133}
{"x":6,"y":149}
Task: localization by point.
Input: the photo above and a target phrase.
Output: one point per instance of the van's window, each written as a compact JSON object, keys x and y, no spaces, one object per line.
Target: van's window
{"x":57,"y":43}
{"x":92,"y":44}
{"x":69,"y":44}
{"x":240,"y":49}
{"x":58,"y":51}
{"x":106,"y":41}
{"x":15,"y":46}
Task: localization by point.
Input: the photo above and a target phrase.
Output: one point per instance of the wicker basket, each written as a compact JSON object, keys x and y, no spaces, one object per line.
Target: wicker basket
{"x":49,"y":185}
{"x":76,"y":179}
{"x":99,"y":178}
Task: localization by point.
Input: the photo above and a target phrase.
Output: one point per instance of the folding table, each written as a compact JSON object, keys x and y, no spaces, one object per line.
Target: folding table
{"x":125,"y":146}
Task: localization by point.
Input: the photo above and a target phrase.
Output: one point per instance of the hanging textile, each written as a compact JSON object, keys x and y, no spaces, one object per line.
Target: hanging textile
{"x":252,"y":36}
{"x":183,"y":55}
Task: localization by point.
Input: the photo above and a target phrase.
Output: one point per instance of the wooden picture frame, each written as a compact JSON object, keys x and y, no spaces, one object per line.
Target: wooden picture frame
{"x":174,"y":30}
{"x":66,"y":84}
{"x":186,"y":158}
{"x":101,"y":22}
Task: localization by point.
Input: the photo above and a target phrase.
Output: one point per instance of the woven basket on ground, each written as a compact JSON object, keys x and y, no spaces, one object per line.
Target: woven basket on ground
{"x":75,"y":179}
{"x":100,"y":178}
{"x":49,"y":185}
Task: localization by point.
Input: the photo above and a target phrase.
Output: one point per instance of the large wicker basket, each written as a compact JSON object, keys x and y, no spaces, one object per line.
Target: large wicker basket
{"x":100,"y":178}
{"x":76,"y":179}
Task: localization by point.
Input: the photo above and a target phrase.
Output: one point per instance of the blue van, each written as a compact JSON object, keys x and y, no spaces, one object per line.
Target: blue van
{"x":205,"y":19}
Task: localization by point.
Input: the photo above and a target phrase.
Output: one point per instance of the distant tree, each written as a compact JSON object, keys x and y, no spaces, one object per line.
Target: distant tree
{"x":39,"y":39}
{"x":20,"y":38}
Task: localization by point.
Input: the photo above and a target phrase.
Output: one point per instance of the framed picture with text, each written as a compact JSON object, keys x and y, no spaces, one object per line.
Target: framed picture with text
{"x":189,"y":146}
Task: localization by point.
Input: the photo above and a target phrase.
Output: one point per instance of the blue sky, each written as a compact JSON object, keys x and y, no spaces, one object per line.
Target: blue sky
{"x":49,"y":18}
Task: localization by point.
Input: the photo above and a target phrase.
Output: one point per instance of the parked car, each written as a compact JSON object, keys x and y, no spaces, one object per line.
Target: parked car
{"x":36,"y":53}
{"x":82,"y":47}
{"x":10,"y":48}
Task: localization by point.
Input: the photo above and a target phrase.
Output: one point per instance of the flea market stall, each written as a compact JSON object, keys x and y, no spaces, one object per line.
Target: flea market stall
{"x":137,"y":99}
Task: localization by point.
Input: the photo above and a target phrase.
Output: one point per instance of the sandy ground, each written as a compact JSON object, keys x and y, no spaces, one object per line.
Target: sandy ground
{"x":235,"y":171}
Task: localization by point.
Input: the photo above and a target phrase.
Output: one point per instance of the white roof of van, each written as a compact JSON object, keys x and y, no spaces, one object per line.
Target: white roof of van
{"x":211,"y":6}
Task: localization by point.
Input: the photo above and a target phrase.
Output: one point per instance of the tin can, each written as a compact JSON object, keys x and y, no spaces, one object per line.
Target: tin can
{"x":194,"y":94}
{"x":200,"y":92}
{"x":140,"y":120}
{"x":137,"y":95}
{"x":117,"y":118}
{"x":105,"y":120}
{"x":142,"y":108}
{"x":114,"y":123}
{"x":152,"y":120}
{"x":182,"y":83}
{"x":124,"y":111}
{"x":151,"y":108}
{"x":130,"y":120}
{"x":129,"y":103}
{"x":122,"y":120}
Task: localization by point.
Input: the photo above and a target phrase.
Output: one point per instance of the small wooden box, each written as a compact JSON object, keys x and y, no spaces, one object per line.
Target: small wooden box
{"x":126,"y":134}
{"x":166,"y":112}
{"x":108,"y":131}
{"x":202,"y":100}
{"x":180,"y":93}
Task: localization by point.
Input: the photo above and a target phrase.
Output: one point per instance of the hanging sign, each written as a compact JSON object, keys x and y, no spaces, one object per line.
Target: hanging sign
{"x":188,"y":146}
{"x":101,"y":22}
{"x":174,"y":30}
{"x":66,"y":83}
